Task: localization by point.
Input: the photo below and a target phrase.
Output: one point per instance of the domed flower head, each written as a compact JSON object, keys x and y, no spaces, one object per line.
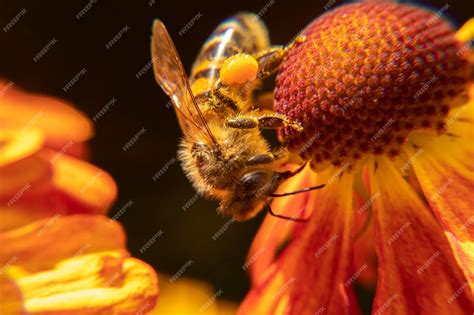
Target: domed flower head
{"x":384,"y":93}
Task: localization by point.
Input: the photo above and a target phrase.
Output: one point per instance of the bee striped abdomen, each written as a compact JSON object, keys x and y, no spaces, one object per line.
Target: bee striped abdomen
{"x":244,"y":33}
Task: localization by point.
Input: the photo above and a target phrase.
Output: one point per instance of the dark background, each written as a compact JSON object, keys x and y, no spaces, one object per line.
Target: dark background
{"x":141,"y":104}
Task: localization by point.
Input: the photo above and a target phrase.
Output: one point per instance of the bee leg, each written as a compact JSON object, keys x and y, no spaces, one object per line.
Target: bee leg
{"x":266,"y":121}
{"x":278,"y":155}
{"x":276,"y":121}
{"x":265,"y":158}
{"x":269,"y":60}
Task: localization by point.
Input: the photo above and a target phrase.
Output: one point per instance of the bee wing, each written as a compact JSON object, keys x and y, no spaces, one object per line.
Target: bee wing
{"x":170,"y":75}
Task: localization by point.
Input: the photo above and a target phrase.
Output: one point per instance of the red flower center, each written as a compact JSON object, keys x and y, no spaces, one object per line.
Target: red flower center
{"x":366,"y":76}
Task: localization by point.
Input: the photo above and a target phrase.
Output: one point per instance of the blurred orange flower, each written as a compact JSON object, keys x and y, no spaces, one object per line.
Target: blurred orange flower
{"x":60,"y":254}
{"x":40,"y":176}
{"x":74,"y":264}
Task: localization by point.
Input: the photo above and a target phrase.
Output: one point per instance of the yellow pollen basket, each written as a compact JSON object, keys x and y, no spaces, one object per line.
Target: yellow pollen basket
{"x":238,"y":69}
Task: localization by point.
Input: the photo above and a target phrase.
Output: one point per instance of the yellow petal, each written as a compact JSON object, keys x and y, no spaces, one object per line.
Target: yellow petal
{"x":446,"y":175}
{"x":466,"y":32}
{"x":16,"y":144}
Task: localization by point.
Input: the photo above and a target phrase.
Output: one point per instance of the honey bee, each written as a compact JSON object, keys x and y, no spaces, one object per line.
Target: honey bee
{"x":223,"y":152}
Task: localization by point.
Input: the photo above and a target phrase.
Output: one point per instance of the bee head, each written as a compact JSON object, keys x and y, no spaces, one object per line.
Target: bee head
{"x":250,"y":194}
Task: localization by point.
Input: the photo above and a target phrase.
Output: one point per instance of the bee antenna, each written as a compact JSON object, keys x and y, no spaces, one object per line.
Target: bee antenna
{"x":284,"y":216}
{"x":298,"y":191}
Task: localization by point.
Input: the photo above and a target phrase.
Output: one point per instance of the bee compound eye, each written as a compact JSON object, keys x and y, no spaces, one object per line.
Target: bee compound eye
{"x":254,"y":183}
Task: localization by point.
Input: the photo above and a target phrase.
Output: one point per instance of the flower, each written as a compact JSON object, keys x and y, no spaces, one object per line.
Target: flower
{"x":40,"y":176}
{"x":75,"y":264}
{"x":384,"y":92}
{"x":60,"y":254}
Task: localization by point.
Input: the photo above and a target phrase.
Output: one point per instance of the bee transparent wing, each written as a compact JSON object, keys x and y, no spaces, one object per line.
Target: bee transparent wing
{"x":170,"y":75}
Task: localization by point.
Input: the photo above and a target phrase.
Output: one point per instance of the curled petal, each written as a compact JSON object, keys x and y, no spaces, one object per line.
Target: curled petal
{"x":312,"y":274}
{"x":82,"y":184}
{"x":417,"y":270}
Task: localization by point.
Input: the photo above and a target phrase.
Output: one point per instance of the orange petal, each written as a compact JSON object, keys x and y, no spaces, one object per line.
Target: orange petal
{"x":274,"y":231}
{"x":81,"y":184}
{"x":21,"y":177}
{"x":49,"y":184}
{"x":364,"y":261}
{"x":39,"y":202}
{"x":417,"y":270}
{"x":311,"y":275}
{"x":11,"y":301}
{"x":40,"y":245}
{"x":59,"y":121}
